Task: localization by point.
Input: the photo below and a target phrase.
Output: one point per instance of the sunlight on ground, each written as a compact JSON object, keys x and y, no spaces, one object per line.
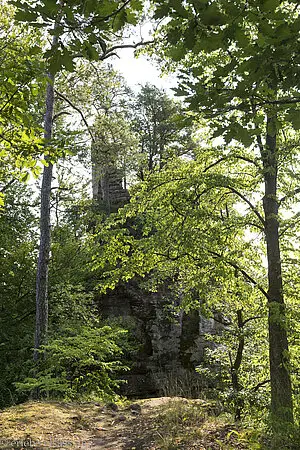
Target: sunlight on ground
{"x":153,"y":424}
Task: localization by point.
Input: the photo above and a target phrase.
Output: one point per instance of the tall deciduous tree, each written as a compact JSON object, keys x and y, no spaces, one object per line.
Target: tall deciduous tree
{"x":78,"y":30}
{"x":240,"y":68}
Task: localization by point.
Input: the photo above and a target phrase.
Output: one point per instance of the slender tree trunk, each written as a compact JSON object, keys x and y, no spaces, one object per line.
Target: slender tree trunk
{"x":41,"y":326}
{"x":281,"y":391}
{"x":235,"y":367}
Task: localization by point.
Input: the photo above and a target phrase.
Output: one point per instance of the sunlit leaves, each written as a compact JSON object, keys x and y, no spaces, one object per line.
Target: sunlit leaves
{"x":22,"y":79}
{"x":224,"y":60}
{"x":86,"y":360}
{"x":82,"y":29}
{"x":182,"y":214}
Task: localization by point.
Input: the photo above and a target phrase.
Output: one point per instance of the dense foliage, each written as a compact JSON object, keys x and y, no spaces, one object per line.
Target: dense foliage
{"x":211,"y":187}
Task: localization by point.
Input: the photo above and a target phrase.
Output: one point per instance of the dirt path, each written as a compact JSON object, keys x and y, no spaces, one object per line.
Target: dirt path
{"x":132,"y":427}
{"x":153,"y":424}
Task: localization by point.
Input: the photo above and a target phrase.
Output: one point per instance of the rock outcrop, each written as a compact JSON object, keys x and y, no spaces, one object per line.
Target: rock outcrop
{"x":170,"y":340}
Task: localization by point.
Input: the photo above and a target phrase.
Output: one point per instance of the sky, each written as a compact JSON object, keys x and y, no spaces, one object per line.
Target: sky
{"x":141,"y":70}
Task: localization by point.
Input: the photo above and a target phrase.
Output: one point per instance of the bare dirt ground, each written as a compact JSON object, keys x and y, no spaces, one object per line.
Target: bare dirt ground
{"x":153,"y":424}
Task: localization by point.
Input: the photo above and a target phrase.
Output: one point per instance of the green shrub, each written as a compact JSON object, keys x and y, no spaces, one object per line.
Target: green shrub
{"x":79,"y":365}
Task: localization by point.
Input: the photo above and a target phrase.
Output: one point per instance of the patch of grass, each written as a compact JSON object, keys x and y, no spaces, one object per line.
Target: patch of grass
{"x":187,"y":424}
{"x":81,"y":422}
{"x":45,"y":421}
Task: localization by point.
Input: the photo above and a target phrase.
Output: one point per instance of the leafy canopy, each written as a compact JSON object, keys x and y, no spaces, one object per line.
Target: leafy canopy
{"x":21,"y":77}
{"x":237,"y":60}
{"x":83,"y":28}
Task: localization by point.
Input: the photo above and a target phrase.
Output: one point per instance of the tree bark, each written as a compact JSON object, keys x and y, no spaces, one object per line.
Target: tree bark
{"x":235,"y":367}
{"x":281,"y":390}
{"x":41,"y":326}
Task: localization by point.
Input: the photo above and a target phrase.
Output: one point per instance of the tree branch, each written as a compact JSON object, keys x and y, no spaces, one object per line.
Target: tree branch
{"x":226,"y":261}
{"x":262,"y":383}
{"x":250,"y":318}
{"x":30,"y":313}
{"x":242,"y":271}
{"x":234,"y":156}
{"x":4,"y":188}
{"x":295,"y":219}
{"x":283,"y":101}
{"x":111,"y":50}
{"x":252,"y":224}
{"x":289,"y":195}
{"x":61,"y":113}
{"x":252,"y":207}
{"x":63,"y":97}
{"x":113,"y":14}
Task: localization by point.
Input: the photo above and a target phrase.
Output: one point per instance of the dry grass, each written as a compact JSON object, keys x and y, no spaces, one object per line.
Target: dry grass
{"x":164,"y":424}
{"x":178,"y":423}
{"x":47,"y":422}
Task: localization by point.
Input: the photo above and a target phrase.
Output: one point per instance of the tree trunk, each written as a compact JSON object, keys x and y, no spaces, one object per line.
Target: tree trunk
{"x":41,"y":326}
{"x":235,"y":367}
{"x":281,"y":391}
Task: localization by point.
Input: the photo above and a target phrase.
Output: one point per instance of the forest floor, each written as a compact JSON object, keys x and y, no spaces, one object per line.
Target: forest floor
{"x":153,"y":424}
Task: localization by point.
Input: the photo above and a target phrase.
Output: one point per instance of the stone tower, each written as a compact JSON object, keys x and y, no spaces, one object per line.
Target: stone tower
{"x":108,"y":187}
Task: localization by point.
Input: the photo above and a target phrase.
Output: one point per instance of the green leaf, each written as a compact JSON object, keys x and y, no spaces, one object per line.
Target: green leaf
{"x":131,"y":18}
{"x":177,"y":5}
{"x":172,"y":35}
{"x":241,"y":134}
{"x":265,"y":28}
{"x":209,"y":43}
{"x":218,"y":132}
{"x":56,"y":62}
{"x":57,"y":31}
{"x":190,"y":37}
{"x":68,"y":61}
{"x":35,"y":50}
{"x":282,"y":32}
{"x":137,"y":5}
{"x":162,"y":11}
{"x":25,"y":16}
{"x":241,"y":37}
{"x":261,"y":40}
{"x":25,"y":177}
{"x":49,"y":9}
{"x":120,"y":20}
{"x":178,"y":52}
{"x":90,"y":52}
{"x":213,"y":16}
{"x":90,"y":6}
{"x":52,"y":5}
{"x":269,"y":5}
{"x":293,"y":116}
